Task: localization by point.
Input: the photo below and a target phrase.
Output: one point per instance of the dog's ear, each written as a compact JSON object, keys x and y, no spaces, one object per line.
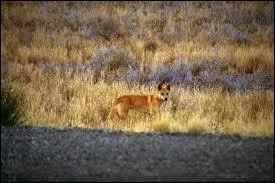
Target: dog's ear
{"x":168,"y":86}
{"x":159,"y":86}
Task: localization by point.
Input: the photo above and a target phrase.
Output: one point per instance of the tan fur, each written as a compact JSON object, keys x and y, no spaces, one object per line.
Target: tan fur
{"x":147,"y":103}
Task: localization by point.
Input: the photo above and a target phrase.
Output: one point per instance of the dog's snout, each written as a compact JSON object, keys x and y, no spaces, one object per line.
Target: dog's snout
{"x":166,"y":99}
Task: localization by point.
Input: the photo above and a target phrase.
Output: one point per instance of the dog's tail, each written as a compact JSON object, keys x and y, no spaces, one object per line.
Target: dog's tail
{"x":111,"y":114}
{"x":112,"y":111}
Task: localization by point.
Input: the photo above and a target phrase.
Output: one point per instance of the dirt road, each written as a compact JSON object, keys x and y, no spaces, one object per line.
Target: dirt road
{"x":43,"y":154}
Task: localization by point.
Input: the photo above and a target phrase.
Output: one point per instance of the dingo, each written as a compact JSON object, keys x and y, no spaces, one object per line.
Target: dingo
{"x":150,"y":103}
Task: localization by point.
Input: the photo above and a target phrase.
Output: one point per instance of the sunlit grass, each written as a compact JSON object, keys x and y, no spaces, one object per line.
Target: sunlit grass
{"x":74,"y":101}
{"x":58,"y":33}
{"x":36,"y":31}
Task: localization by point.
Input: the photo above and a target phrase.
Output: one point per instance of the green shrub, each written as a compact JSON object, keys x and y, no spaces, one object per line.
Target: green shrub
{"x":11,"y":107}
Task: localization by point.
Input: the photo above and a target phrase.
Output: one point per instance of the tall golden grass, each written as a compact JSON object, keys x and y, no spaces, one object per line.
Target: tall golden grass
{"x":61,"y":32}
{"x":75,"y":101}
{"x":155,"y":33}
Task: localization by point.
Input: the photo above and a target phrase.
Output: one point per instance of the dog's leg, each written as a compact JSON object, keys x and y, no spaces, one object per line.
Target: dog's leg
{"x":152,"y":110}
{"x":122,"y":110}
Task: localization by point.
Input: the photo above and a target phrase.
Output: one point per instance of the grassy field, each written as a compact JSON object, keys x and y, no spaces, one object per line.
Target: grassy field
{"x":69,"y":61}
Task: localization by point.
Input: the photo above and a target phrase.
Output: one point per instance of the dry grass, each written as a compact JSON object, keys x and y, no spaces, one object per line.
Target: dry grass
{"x":37,"y":31}
{"x":74,"y":101}
{"x":238,"y":34}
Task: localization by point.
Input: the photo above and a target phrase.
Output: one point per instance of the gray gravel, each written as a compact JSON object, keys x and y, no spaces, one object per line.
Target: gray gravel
{"x":43,"y":154}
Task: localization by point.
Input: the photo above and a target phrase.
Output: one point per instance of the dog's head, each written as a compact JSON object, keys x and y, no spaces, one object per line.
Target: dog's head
{"x":164,"y":91}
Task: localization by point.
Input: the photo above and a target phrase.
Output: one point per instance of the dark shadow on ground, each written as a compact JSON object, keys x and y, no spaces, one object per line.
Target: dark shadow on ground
{"x":50,"y":154}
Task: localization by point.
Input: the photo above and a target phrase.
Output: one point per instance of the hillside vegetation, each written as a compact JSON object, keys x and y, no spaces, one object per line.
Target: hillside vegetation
{"x":70,"y":60}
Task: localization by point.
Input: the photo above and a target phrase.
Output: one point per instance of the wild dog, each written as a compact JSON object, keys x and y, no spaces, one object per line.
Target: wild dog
{"x":148,"y":103}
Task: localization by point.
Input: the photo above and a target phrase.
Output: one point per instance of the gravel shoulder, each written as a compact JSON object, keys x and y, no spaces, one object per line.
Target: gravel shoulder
{"x":49,"y":154}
